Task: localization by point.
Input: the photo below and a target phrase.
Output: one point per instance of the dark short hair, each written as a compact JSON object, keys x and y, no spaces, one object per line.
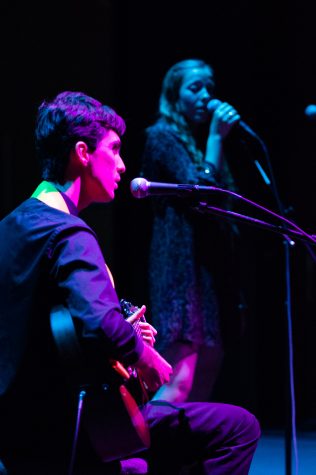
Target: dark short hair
{"x":63,"y":121}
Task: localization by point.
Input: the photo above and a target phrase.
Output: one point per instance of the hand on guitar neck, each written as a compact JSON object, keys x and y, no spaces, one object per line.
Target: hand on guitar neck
{"x":152,"y":368}
{"x":146,"y":331}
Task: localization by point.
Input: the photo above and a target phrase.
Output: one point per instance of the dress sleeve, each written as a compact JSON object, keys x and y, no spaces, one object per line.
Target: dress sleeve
{"x":78,"y":268}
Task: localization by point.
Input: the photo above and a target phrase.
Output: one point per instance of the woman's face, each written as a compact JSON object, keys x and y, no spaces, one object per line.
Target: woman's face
{"x":195,"y":93}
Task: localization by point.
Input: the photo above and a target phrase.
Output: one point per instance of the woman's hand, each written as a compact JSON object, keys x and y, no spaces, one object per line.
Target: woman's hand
{"x":143,"y":328}
{"x":224,"y":118}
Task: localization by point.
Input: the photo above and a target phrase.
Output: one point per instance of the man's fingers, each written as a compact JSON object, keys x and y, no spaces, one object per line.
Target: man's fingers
{"x":137,"y":315}
{"x":146,"y":327}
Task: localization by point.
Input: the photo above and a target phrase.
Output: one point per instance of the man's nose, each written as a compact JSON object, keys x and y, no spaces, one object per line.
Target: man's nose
{"x":121,"y":166}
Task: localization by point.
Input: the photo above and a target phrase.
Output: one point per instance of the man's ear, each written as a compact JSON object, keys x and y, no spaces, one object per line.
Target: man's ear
{"x":82,"y":154}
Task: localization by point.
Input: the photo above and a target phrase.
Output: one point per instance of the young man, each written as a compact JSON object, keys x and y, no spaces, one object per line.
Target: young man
{"x":51,"y":256}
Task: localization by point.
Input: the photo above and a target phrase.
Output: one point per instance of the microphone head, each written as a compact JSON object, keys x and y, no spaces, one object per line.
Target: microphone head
{"x":139,"y":187}
{"x":213,"y":104}
{"x":310,"y":111}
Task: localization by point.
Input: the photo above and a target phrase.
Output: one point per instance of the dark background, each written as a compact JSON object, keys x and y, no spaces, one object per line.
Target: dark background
{"x":264,"y":62}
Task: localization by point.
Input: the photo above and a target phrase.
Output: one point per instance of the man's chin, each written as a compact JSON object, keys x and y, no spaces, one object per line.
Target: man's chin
{"x":103,"y":199}
{"x":108,"y":197}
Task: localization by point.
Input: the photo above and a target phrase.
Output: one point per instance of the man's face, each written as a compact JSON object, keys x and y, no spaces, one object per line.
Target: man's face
{"x":104,"y":169}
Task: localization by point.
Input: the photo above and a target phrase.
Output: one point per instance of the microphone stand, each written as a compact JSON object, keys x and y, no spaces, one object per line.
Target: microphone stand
{"x":290,"y":433}
{"x":205,"y":208}
{"x":289,"y":234}
{"x":290,"y":404}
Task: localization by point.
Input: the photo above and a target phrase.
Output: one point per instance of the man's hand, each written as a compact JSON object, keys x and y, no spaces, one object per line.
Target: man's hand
{"x":146,"y":331}
{"x":153,"y":368}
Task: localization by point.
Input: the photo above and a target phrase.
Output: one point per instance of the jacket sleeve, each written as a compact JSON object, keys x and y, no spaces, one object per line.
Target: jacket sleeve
{"x":78,"y":269}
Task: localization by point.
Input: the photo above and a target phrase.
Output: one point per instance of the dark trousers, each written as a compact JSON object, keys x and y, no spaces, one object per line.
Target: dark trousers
{"x":188,"y":438}
{"x":207,"y":438}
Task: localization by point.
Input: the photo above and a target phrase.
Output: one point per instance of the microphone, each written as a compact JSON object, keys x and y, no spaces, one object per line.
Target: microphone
{"x":141,"y":188}
{"x":310,"y":111}
{"x":215,"y":103}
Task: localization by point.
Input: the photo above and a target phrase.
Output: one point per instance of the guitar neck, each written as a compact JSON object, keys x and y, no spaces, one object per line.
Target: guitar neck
{"x":128,"y":309}
{"x":136,"y":326}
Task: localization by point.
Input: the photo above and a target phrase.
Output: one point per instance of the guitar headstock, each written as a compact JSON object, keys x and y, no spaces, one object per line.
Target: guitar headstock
{"x":128,"y":308}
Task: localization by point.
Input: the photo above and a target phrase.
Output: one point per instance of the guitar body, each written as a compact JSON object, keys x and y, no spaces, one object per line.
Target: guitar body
{"x":114,"y":423}
{"x":111,"y":415}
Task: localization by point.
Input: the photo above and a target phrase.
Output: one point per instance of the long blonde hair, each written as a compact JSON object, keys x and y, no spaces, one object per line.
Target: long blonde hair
{"x":169,"y":106}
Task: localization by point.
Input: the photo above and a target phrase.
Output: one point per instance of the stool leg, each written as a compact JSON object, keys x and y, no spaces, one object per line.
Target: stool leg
{"x":82,"y":395}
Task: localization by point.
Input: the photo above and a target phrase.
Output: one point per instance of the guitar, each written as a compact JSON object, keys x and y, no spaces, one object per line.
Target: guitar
{"x":135,"y":382}
{"x":111,"y":415}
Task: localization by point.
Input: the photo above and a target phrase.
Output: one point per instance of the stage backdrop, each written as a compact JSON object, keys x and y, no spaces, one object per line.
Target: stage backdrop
{"x":265,"y":66}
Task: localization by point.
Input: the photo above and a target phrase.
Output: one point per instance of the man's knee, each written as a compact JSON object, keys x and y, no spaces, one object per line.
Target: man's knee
{"x":253,"y":426}
{"x":247,"y":425}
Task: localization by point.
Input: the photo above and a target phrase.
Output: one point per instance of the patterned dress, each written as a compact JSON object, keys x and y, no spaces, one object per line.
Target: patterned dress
{"x":185,"y":249}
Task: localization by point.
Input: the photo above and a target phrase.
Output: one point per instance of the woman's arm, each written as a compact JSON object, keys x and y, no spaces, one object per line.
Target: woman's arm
{"x":223,"y":120}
